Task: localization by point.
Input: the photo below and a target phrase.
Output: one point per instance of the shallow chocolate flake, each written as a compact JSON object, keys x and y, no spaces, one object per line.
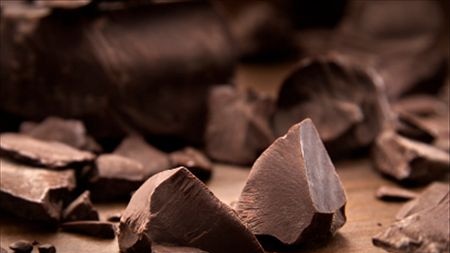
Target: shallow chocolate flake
{"x":49,"y":154}
{"x":174,"y":249}
{"x":174,"y":207}
{"x":21,"y":246}
{"x":47,"y":248}
{"x":194,"y":160}
{"x":49,"y":190}
{"x":115,"y":177}
{"x":238,"y":127}
{"x":80,"y":209}
{"x":407,"y":160}
{"x":293,"y":176}
{"x":152,"y":160}
{"x":390,"y":193}
{"x":99,"y":229}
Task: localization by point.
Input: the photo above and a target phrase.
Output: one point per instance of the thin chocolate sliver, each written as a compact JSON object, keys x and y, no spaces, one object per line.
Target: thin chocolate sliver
{"x":195,"y":161}
{"x":293,"y":194}
{"x":174,"y":207}
{"x":99,"y":229}
{"x":81,"y":209}
{"x":390,"y":193}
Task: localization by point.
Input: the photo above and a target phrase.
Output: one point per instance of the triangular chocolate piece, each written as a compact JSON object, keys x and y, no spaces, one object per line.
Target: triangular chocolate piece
{"x":293,"y":193}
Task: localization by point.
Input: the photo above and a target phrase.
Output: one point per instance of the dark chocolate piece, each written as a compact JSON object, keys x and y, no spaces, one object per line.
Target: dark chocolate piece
{"x":114,"y":217}
{"x":156,"y":248}
{"x":430,"y":197}
{"x":115,"y":177}
{"x":152,"y":160}
{"x":100,"y":229}
{"x":422,"y":232}
{"x":407,"y":160}
{"x":21,"y":247}
{"x":81,"y":209}
{"x":47,"y":248}
{"x":342,"y":98}
{"x":306,"y":184}
{"x":194,"y":160}
{"x":390,"y":193}
{"x":238,"y":127}
{"x":48,"y":154}
{"x":174,"y":207}
{"x":49,"y":190}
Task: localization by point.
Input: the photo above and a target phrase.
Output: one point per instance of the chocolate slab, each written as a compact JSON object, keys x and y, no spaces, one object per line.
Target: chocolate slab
{"x":430,"y":197}
{"x":115,"y":177}
{"x":174,"y":207}
{"x":81,"y":209}
{"x":21,"y":246}
{"x":48,"y":154}
{"x":47,"y":248}
{"x":45,"y":201}
{"x":238,"y":128}
{"x":422,"y":232}
{"x":343,"y":99}
{"x":152,"y":160}
{"x":99,"y":229}
{"x":390,"y":193}
{"x":194,"y":160}
{"x":173,"y":249}
{"x":293,"y":194}
{"x":407,"y":160}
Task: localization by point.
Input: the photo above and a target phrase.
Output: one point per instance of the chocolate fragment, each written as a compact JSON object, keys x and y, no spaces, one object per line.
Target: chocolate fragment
{"x":21,"y":246}
{"x":195,"y":161}
{"x":238,"y":127}
{"x":47,"y":248}
{"x":114,"y":218}
{"x":307,"y":184}
{"x":156,"y":248}
{"x":422,"y":232}
{"x":81,"y":209}
{"x":41,"y":153}
{"x":430,"y":197}
{"x":115,"y":177}
{"x":99,"y":229}
{"x":49,"y":190}
{"x":342,"y":98}
{"x":389,"y":193}
{"x":407,"y":160}
{"x":174,"y":207}
{"x":152,"y":160}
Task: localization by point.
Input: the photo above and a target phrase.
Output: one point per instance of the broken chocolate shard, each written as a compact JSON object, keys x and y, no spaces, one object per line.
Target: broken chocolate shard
{"x":430,"y":197}
{"x":50,"y":154}
{"x":238,"y":128}
{"x":307,"y":184}
{"x":422,"y":232}
{"x":390,"y":193}
{"x":343,"y":99}
{"x":194,"y":160}
{"x":174,"y":207}
{"x":46,"y":248}
{"x":45,"y":201}
{"x":152,"y":160}
{"x":156,"y":248}
{"x":81,"y":209}
{"x":408,"y":161}
{"x":21,"y":246}
{"x":115,"y":177}
{"x":99,"y":229}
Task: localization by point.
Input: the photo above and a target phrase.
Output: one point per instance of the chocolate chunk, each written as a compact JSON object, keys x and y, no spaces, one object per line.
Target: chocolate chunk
{"x":115,"y":177}
{"x":174,"y":207}
{"x":173,"y":249}
{"x":306,"y":184}
{"x":81,"y":209}
{"x":389,"y":193}
{"x":422,"y":232}
{"x":46,"y":248}
{"x":407,"y":160}
{"x":114,"y":217}
{"x":195,"y":161}
{"x":238,"y":127}
{"x":100,"y":229}
{"x":42,"y":203}
{"x":36,"y":152}
{"x":342,"y":98}
{"x":152,"y":160}
{"x":430,"y":197}
{"x":21,"y":246}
